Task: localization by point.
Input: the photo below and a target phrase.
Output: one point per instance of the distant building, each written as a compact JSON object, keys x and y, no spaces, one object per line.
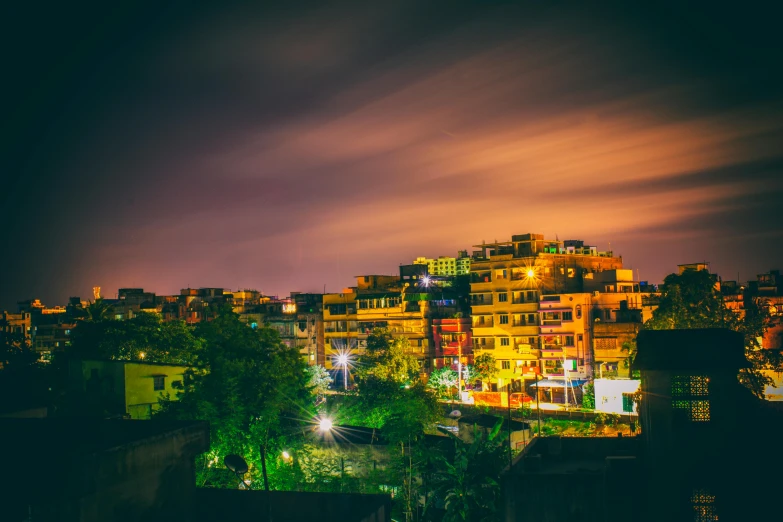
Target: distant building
{"x":446,"y":266}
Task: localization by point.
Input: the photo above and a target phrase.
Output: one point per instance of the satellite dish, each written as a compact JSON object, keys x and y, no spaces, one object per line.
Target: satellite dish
{"x":236,"y":464}
{"x":454,"y":414}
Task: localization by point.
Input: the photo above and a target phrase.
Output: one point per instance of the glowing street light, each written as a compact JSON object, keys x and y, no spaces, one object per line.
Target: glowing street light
{"x":325,"y":424}
{"x":343,"y":359}
{"x":286,"y":455}
{"x":426,"y":280}
{"x":531,"y":273}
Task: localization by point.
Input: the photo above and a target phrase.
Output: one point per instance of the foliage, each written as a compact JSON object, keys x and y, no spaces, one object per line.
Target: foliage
{"x":389,"y":393}
{"x":387,"y":359}
{"x":95,"y":312}
{"x":469,"y":374}
{"x":588,"y":397}
{"x":691,"y":300}
{"x":485,"y":367}
{"x":318,"y":379}
{"x":248,"y":385}
{"x":629,"y":347}
{"x":145,"y":337}
{"x":466,"y":486}
{"x":443,"y":381}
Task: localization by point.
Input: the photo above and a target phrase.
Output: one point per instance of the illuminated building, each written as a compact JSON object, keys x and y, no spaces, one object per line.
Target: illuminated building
{"x":507,"y":282}
{"x":619,"y":305}
{"x":127,"y":388}
{"x":446,"y":266}
{"x":17,"y":324}
{"x":382,"y":301}
{"x":451,"y":338}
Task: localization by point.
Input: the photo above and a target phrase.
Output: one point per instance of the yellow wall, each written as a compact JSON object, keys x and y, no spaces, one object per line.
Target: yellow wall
{"x":140,"y":396}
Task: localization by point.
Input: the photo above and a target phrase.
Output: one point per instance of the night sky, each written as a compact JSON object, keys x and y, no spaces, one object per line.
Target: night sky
{"x":285,"y":149}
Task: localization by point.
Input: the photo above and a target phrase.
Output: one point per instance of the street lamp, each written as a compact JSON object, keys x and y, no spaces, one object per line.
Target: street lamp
{"x":325,"y":424}
{"x":343,"y":359}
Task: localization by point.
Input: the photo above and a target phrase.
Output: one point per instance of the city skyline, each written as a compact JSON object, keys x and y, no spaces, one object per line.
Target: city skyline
{"x":288,"y":149}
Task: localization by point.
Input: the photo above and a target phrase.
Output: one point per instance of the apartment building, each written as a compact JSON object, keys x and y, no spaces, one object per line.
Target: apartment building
{"x":508,"y":280}
{"x":446,"y":266}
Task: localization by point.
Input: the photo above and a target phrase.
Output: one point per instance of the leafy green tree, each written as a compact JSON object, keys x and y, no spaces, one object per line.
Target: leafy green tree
{"x":144,"y":338}
{"x":388,"y":359}
{"x":250,"y":386}
{"x":95,"y":312}
{"x":485,"y":366}
{"x":465,"y":486}
{"x":318,"y":379}
{"x":588,"y":397}
{"x":443,"y":381}
{"x":692,"y":300}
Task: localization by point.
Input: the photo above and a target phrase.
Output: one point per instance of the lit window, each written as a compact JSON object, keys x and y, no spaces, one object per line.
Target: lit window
{"x":703,"y":505}
{"x":158,"y":382}
{"x":690,"y":393}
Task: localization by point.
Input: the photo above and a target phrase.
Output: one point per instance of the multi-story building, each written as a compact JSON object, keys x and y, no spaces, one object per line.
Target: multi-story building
{"x":17,"y":324}
{"x":507,"y":282}
{"x":565,"y":336}
{"x":405,"y":304}
{"x":309,"y":331}
{"x":452,"y":341}
{"x":446,"y":266}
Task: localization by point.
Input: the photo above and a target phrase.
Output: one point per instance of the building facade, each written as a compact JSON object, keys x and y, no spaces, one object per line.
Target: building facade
{"x":508,"y":280}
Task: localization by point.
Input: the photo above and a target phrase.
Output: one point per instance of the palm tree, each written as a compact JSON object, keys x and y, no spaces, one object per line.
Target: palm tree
{"x":95,"y":312}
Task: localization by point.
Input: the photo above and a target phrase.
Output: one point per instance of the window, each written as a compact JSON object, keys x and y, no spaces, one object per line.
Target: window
{"x":504,"y":341}
{"x":690,"y":394}
{"x":578,"y":311}
{"x":531,"y":296}
{"x":158,"y":382}
{"x":703,"y":505}
{"x":608,"y":314}
{"x":568,"y":316}
{"x":505,"y":365}
{"x":569,"y":340}
{"x":503,"y":318}
{"x":571,"y":272}
{"x":502,"y":297}
{"x":531,"y":318}
{"x":606,"y":343}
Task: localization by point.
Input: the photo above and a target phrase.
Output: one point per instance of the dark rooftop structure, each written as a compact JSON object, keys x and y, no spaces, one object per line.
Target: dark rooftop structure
{"x":97,"y":470}
{"x":699,"y":349}
{"x":695,"y":459}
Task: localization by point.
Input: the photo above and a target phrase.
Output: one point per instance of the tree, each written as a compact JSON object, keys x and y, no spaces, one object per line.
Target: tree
{"x":318,"y":379}
{"x":465,"y":486}
{"x":485,"y":367}
{"x":387,"y":359}
{"x":250,"y":386}
{"x":588,"y":397}
{"x":443,"y":380}
{"x":692,"y":300}
{"x":95,"y":312}
{"x":144,"y":338}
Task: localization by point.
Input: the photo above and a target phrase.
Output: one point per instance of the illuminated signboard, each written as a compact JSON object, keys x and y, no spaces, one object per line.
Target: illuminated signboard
{"x":289,"y":308}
